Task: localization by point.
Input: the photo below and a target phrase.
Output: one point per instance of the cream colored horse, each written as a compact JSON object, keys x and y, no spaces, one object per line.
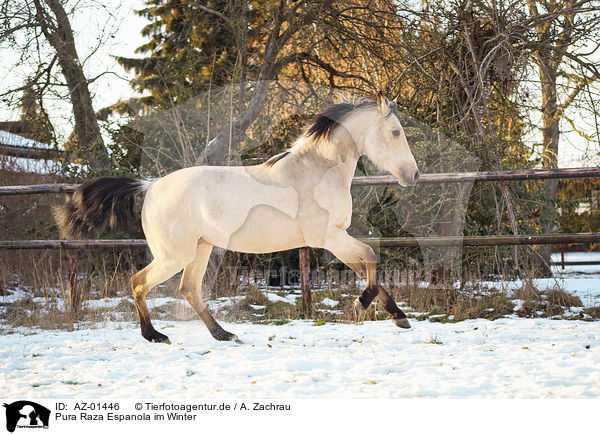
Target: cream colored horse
{"x":298,"y":198}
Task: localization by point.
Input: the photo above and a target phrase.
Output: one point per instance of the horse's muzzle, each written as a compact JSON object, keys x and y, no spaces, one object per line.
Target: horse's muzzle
{"x":408,"y":179}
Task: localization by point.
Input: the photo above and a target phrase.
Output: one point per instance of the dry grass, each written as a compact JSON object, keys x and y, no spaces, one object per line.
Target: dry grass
{"x":593,"y":312}
{"x":547,"y":303}
{"x":47,"y":278}
{"x":58,"y":286}
{"x":450,"y":304}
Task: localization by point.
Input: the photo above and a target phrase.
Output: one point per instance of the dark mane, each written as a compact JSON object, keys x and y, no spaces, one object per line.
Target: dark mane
{"x":276,"y":158}
{"x":327,"y":120}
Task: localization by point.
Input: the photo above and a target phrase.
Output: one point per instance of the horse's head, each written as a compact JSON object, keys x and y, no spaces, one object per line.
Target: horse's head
{"x":385,"y":143}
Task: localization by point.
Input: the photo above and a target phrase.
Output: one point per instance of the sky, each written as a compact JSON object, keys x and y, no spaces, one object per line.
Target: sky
{"x":120,"y":36}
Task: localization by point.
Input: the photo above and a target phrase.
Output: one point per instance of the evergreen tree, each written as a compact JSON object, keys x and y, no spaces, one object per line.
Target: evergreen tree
{"x":191,"y":49}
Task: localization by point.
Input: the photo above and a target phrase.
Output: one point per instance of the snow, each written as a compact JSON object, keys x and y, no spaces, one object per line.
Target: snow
{"x":510,"y":357}
{"x":330,"y":302}
{"x":24,"y":164}
{"x":13,"y":296}
{"x":506,"y":358}
{"x":289,"y":298}
{"x":11,"y":139}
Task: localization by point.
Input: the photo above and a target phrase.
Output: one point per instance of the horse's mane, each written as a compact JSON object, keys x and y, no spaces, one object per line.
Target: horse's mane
{"x":326,"y":121}
{"x":276,"y":158}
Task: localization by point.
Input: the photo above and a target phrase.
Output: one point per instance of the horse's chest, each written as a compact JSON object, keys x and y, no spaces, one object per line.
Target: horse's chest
{"x":337,"y":201}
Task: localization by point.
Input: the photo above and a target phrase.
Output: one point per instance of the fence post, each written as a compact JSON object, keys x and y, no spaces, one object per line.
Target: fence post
{"x":305,"y":282}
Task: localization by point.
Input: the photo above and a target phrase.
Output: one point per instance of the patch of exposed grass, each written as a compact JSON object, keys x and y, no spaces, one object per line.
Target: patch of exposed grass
{"x":453,"y":305}
{"x":549,"y":303}
{"x":26,"y":313}
{"x":593,"y":312}
{"x":277,"y":322}
{"x":255,"y":297}
{"x":489,"y":306}
{"x":174,"y":310}
{"x":562,"y":298}
{"x":433,"y":339}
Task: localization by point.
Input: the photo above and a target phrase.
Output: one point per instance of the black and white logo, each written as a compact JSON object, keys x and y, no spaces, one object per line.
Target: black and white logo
{"x":27,"y":415}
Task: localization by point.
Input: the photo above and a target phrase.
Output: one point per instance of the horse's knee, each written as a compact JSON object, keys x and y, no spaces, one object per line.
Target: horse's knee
{"x":139,"y":287}
{"x":369,"y":255}
{"x":191,"y":296}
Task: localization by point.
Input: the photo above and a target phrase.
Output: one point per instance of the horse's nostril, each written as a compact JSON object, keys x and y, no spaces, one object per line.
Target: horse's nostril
{"x":417,"y":175}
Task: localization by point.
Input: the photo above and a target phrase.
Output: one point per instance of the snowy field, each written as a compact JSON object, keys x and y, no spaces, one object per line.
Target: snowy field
{"x":507,"y":358}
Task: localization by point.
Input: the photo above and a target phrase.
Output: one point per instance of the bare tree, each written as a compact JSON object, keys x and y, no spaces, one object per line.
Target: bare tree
{"x":43,"y":26}
{"x":567,"y":36}
{"x":288,"y":18}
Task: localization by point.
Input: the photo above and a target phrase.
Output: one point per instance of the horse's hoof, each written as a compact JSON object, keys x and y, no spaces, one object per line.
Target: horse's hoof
{"x":163,"y":339}
{"x":157,"y":337}
{"x":402,"y":323}
{"x":358,"y":309}
{"x":227,"y":336}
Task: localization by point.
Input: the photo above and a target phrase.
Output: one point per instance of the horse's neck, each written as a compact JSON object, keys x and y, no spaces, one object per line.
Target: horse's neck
{"x":338,"y":153}
{"x":341,"y":149}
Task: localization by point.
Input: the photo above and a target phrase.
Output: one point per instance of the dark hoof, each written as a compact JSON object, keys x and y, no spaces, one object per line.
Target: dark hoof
{"x":223,"y":335}
{"x":156,"y":337}
{"x":402,"y":323}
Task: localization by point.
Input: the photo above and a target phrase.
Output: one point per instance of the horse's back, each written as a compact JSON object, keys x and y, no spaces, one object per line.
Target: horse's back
{"x":213,"y":203}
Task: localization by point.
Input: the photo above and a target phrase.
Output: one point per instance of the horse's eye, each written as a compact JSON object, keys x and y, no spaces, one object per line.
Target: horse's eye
{"x":396,"y":132}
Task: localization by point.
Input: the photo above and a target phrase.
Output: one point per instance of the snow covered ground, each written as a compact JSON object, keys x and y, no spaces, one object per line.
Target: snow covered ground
{"x":507,"y":358}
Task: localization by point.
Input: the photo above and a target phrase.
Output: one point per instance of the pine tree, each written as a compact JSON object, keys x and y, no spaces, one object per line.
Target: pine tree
{"x":191,"y":49}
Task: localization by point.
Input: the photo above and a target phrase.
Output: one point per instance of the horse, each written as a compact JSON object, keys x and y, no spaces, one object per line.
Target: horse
{"x":298,"y":198}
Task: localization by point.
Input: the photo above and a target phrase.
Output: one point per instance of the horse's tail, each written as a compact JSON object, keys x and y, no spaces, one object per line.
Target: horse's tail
{"x":107,"y":202}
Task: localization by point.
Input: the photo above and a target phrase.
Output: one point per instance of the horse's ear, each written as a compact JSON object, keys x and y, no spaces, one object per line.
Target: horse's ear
{"x":381,"y":103}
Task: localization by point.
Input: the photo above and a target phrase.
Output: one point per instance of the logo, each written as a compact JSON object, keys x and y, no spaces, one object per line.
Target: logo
{"x":25,"y":414}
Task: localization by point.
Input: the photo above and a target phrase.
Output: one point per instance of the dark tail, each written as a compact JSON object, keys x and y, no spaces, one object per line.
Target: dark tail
{"x":107,"y":202}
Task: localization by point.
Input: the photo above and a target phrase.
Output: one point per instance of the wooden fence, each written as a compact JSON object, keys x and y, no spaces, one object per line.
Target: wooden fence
{"x":460,"y":177}
{"x":389,"y":242}
{"x":383,"y":242}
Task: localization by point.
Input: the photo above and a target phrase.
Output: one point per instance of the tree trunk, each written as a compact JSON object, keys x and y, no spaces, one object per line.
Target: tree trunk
{"x":57,"y":30}
{"x":551,"y":136}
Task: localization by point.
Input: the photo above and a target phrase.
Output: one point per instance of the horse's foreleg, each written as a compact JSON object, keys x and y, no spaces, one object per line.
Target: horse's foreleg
{"x":191,"y":289}
{"x":141,"y":283}
{"x":361,"y":258}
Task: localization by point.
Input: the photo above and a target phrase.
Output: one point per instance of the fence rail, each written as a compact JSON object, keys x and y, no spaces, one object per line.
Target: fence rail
{"x":468,"y":177}
{"x":33,"y":152}
{"x":37,"y":188}
{"x":504,"y":240}
{"x":73,"y":244}
{"x":459,"y":177}
{"x":384,"y":242}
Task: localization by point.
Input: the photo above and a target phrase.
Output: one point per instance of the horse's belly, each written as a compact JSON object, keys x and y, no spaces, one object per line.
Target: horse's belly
{"x":266,"y":229}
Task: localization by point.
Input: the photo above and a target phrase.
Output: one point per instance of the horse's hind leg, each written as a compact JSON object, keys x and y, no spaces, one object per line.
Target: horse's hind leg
{"x":191,"y":289}
{"x":141,"y":283}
